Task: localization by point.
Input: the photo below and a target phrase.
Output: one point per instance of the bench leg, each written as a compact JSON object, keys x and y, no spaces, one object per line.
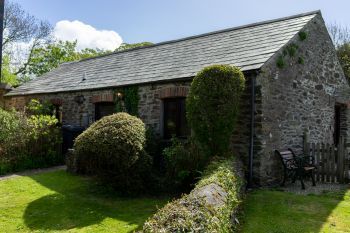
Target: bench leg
{"x":284,"y":178}
{"x":294,"y":178}
{"x":302,"y":183}
{"x":313,"y":178}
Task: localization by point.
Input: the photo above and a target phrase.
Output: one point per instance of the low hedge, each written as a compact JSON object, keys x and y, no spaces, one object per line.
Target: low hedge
{"x":210,"y":207}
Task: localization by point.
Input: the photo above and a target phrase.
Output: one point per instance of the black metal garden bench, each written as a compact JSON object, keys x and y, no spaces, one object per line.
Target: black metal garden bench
{"x":297,"y":167}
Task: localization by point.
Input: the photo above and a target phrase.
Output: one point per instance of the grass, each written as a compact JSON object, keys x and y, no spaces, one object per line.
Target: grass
{"x":57,"y":201}
{"x":281,"y":212}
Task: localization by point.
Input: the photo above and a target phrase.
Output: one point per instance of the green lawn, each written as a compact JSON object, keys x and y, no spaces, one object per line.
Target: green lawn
{"x":281,"y":212}
{"x":57,"y":201}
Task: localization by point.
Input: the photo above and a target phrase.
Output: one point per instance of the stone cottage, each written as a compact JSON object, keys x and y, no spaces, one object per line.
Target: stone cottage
{"x":293,"y":84}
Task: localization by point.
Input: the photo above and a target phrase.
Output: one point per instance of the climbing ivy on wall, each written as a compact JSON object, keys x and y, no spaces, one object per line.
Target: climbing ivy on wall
{"x":127,"y":100}
{"x":291,"y":51}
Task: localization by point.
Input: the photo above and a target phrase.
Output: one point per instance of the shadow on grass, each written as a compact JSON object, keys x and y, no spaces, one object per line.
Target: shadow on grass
{"x":79,"y":202}
{"x":277,"y":212}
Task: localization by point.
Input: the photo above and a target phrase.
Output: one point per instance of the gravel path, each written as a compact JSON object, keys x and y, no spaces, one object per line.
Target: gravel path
{"x":32,"y":172}
{"x":318,"y":189}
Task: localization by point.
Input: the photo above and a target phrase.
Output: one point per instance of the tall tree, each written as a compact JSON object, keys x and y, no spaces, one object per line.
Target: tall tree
{"x":341,"y":39}
{"x":126,"y":46}
{"x":339,"y":34}
{"x":23,"y":33}
{"x":343,"y":53}
{"x":50,"y":56}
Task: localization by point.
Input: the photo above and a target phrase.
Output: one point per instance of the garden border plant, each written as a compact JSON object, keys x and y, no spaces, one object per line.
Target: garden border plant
{"x":29,"y":141}
{"x":113,"y":149}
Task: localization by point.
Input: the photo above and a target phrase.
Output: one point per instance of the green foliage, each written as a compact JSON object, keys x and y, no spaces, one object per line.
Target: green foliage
{"x":7,"y":75}
{"x":50,"y":56}
{"x":129,"y":101}
{"x":302,"y":35}
{"x":292,"y":49}
{"x":113,"y":149}
{"x":343,"y":53}
{"x":10,"y":122}
{"x":184,"y":164}
{"x":35,"y":107}
{"x":41,"y":125}
{"x":126,"y":46}
{"x":28,"y":142}
{"x":301,"y":60}
{"x":280,"y":62}
{"x":212,"y":106}
{"x":191,"y":213}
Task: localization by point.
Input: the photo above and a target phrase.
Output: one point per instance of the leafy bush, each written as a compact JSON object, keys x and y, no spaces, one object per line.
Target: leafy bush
{"x":212,"y":106}
{"x":210,"y":207}
{"x":13,"y":139}
{"x":184,"y":164}
{"x":45,"y":139}
{"x":113,"y":149}
{"x":343,"y":53}
{"x":35,"y":107}
{"x":28,"y":142}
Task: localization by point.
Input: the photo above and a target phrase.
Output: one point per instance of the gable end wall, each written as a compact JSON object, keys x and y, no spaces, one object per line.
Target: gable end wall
{"x":297,"y":98}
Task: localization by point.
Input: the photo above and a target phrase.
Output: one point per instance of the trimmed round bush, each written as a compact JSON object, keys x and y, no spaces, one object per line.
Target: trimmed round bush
{"x":212,"y":106}
{"x":113,"y":149}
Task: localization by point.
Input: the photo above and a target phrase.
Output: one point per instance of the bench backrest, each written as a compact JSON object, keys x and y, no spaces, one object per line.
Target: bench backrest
{"x":287,"y":158}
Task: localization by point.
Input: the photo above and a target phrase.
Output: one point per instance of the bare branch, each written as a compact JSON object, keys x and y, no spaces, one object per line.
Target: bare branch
{"x":340,"y":34}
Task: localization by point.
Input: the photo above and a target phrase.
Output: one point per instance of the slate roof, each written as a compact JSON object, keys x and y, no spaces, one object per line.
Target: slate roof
{"x":247,"y":47}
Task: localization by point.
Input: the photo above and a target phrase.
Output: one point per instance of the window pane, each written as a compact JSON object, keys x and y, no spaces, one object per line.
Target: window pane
{"x":170,"y":118}
{"x":175,"y":123}
{"x":104,"y":109}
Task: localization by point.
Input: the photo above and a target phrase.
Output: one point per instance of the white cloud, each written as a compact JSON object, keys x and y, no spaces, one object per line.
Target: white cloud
{"x":86,"y":35}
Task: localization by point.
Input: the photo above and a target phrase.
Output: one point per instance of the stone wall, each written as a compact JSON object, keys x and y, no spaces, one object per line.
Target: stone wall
{"x":73,"y":113}
{"x":150,"y":104}
{"x":298,"y":97}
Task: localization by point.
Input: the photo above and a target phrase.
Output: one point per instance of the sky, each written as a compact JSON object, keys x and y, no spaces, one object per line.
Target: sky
{"x":107,"y":23}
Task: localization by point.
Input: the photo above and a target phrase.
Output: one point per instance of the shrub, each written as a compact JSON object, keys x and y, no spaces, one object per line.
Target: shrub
{"x":45,"y":140}
{"x":113,"y":149}
{"x":28,"y":142}
{"x":184,"y":164}
{"x":13,"y":140}
{"x":212,"y":106}
{"x":35,"y":107}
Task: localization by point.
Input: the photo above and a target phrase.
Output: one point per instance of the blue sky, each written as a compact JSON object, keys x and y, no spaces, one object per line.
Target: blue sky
{"x":161,"y":20}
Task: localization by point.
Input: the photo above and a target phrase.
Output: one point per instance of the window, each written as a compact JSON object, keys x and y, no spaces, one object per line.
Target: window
{"x":174,"y":118}
{"x":57,"y":112}
{"x":104,"y":109}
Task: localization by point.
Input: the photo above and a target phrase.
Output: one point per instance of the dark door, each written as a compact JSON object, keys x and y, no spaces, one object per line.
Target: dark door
{"x":337,"y":126}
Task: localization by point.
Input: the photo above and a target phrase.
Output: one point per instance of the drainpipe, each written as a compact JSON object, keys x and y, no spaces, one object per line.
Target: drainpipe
{"x":252,"y":129}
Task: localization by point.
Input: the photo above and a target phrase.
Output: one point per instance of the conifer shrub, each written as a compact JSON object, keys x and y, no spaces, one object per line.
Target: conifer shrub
{"x":212,"y":106}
